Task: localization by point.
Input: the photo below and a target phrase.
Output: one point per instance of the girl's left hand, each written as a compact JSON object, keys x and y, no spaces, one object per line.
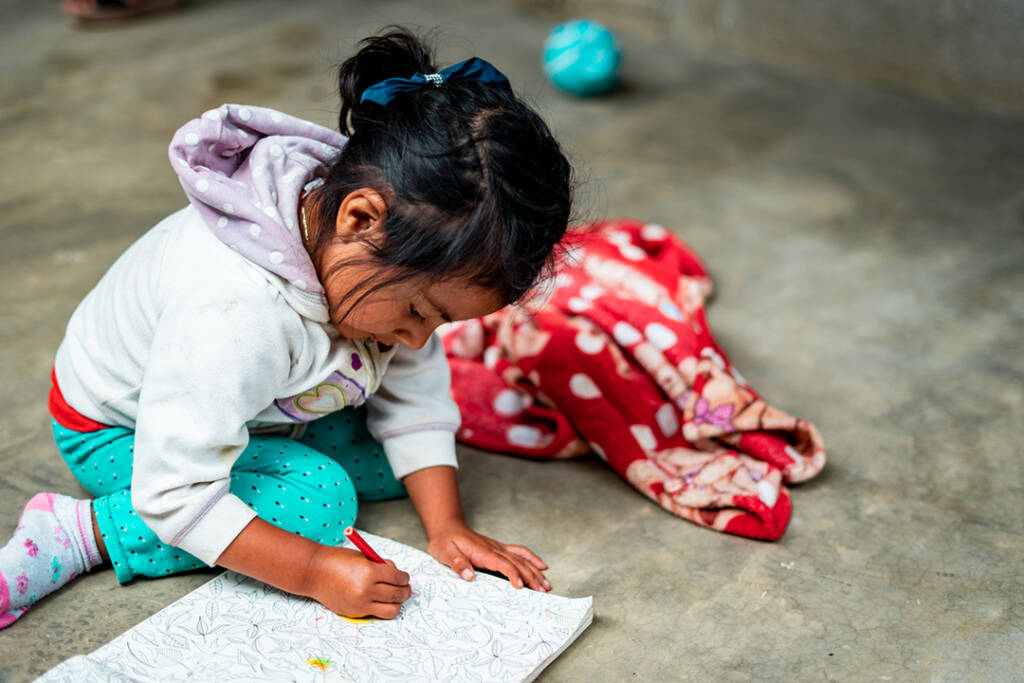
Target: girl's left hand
{"x":461,"y":548}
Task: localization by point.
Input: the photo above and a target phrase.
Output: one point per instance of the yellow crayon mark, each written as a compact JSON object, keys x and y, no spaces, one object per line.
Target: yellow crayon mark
{"x":358,"y":621}
{"x":321,"y":663}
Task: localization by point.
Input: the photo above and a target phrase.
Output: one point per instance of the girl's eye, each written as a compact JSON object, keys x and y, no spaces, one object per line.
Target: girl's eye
{"x":414,"y":313}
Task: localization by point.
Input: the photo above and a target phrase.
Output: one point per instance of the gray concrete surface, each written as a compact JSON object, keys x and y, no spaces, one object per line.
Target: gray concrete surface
{"x":965,"y":51}
{"x":867,"y":248}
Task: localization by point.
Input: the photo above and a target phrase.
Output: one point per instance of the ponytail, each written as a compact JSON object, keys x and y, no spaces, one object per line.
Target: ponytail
{"x":396,"y":53}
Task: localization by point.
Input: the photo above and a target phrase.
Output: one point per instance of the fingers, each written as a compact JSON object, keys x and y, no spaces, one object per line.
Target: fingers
{"x":510,"y":567}
{"x":461,"y":565}
{"x":533,"y":576}
{"x":386,"y":593}
{"x":389,"y":573}
{"x":528,"y":555}
{"x":385,"y":610}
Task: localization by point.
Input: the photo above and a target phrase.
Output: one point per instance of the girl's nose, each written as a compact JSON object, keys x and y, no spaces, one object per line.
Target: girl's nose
{"x":416,"y":339}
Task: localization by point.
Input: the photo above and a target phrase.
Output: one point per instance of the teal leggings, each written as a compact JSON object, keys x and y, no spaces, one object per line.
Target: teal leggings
{"x":307,"y":486}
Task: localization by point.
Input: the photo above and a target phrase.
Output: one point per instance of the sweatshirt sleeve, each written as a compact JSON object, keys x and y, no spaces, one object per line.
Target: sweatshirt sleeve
{"x":413,"y":414}
{"x":214,"y":364}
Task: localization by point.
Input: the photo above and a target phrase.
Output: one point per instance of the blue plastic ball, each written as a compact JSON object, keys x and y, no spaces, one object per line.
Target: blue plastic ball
{"x":581,"y":57}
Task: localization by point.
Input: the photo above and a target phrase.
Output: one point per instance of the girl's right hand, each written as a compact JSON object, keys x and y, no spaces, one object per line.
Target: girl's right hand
{"x":348,"y":584}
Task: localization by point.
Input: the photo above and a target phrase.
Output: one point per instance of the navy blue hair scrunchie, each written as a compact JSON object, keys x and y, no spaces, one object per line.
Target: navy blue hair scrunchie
{"x":472,"y":69}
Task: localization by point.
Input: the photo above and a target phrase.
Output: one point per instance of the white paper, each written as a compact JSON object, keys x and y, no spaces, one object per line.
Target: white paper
{"x":238,"y":629}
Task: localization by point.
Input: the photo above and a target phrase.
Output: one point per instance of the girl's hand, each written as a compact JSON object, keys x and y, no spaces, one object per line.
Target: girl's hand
{"x":348,"y":584}
{"x":461,"y":548}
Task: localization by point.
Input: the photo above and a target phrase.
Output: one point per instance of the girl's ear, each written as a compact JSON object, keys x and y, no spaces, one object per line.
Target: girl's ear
{"x":362,"y":209}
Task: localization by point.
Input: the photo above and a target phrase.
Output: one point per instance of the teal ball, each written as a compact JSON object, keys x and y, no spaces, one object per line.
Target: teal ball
{"x":582,"y":57}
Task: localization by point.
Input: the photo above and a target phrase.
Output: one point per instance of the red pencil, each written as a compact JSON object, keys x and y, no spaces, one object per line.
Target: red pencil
{"x":363,"y":546}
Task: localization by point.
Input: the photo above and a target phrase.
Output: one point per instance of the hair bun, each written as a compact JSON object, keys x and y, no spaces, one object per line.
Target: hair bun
{"x":396,"y":53}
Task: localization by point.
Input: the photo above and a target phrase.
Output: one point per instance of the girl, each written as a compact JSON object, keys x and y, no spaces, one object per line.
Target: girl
{"x":199,"y":390}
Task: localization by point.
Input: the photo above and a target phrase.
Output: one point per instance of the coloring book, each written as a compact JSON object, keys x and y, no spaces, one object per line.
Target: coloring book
{"x":234,"y":628}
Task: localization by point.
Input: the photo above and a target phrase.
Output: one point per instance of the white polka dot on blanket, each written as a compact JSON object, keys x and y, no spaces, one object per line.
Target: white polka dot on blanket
{"x":644,"y":436}
{"x":212,"y":115}
{"x":202,"y":184}
{"x":491,"y":355}
{"x":582,"y":386}
{"x":301,"y":284}
{"x":275,"y":257}
{"x":562,"y":280}
{"x":670,"y":310}
{"x":270,"y":211}
{"x":578,"y":305}
{"x":254,"y":229}
{"x":618,"y":237}
{"x":244,"y":114}
{"x":660,"y":336}
{"x":191,"y":139}
{"x":632,"y":253}
{"x":591,"y":291}
{"x":276,"y":150}
{"x":713,"y":356}
{"x":653,"y":232}
{"x":589,"y":343}
{"x":573,"y":255}
{"x":523,"y":435}
{"x":667,"y":420}
{"x":276,"y":117}
{"x":625,"y":334}
{"x":508,"y":402}
{"x":597,"y":449}
{"x":222,"y":222}
{"x":227,"y":207}
{"x":767,"y":493}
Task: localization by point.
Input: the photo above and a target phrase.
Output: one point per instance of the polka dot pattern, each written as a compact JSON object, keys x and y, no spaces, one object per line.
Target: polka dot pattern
{"x":309,"y":487}
{"x":508,"y":402}
{"x":616,"y":356}
{"x":524,"y":435}
{"x":625,"y":334}
{"x":660,"y":336}
{"x":667,"y":420}
{"x":233,"y":159}
{"x":644,"y":437}
{"x":578,"y":305}
{"x":653,"y":232}
{"x":583,"y":387}
{"x":589,"y":342}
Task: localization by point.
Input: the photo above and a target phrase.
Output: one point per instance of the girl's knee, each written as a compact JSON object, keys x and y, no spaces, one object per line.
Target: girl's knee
{"x":316,"y":500}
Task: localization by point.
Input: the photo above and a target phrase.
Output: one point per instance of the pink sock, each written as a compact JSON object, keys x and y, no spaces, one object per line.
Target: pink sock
{"x":52,"y":544}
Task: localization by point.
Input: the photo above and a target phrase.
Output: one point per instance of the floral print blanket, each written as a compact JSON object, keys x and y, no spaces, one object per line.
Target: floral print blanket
{"x":615,"y":357}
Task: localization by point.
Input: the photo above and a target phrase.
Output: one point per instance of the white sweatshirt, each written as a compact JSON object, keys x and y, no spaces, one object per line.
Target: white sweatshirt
{"x":191,"y":344}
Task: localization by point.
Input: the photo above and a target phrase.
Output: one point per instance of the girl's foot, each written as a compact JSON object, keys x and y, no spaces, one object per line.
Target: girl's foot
{"x":53,"y":543}
{"x":114,"y":9}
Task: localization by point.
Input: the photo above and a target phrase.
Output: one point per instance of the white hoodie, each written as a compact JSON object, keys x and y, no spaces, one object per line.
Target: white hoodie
{"x":214,"y":322}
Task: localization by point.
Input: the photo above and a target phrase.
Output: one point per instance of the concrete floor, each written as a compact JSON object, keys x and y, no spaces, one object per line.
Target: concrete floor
{"x":868,"y":249}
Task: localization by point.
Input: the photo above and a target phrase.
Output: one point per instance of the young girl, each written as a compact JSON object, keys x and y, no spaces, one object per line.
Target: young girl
{"x":210,"y":390}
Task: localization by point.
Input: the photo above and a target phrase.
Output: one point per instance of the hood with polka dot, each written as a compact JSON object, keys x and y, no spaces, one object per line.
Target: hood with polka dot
{"x":243,"y":168}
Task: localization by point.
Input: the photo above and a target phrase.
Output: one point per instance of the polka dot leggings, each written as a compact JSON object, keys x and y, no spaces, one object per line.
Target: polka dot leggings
{"x":307,"y":486}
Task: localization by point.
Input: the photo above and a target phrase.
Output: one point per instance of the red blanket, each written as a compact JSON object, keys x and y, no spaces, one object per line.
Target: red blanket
{"x":616,"y":357}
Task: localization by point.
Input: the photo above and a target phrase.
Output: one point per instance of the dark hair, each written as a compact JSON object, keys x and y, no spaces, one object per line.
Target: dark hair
{"x":475,"y":184}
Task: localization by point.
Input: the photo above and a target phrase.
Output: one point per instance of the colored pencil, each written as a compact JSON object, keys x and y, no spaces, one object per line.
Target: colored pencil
{"x":363,"y":546}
